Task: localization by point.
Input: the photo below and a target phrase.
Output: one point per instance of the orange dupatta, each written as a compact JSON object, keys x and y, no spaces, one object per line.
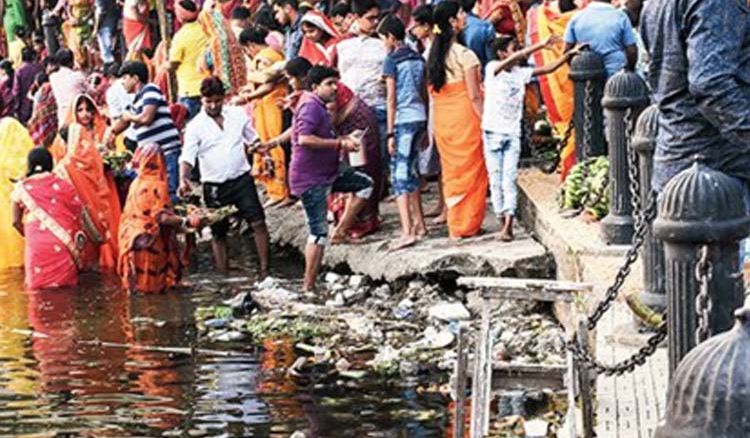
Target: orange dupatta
{"x":148,"y":261}
{"x":458,"y":135}
{"x":557,"y":88}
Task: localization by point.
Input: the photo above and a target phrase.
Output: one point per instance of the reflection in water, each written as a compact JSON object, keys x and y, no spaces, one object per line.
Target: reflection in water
{"x":52,"y":384}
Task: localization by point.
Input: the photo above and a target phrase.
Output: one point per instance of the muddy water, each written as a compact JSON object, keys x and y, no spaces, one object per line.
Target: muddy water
{"x":56,"y":386}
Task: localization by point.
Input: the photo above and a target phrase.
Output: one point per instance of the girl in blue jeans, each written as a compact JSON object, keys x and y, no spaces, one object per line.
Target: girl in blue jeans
{"x":505,"y":81}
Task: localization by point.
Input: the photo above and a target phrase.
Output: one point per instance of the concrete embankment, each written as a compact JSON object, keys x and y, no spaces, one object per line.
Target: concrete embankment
{"x":436,"y":255}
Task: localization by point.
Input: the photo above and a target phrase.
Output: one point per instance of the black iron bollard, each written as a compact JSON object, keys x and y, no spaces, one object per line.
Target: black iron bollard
{"x":588,"y":75}
{"x":710,"y":393}
{"x":625,"y":96}
{"x":701,"y":211}
{"x":644,"y":144}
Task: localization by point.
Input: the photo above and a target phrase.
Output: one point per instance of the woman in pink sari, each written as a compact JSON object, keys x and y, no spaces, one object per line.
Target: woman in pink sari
{"x":47,"y":211}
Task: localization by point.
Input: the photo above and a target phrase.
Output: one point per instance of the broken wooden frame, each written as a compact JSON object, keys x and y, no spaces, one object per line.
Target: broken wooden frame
{"x":576,"y":376}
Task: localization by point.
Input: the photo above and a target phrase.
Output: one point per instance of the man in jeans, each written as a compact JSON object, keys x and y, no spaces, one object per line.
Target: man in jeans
{"x":151,"y":118}
{"x":315,"y":170}
{"x":217,"y":138}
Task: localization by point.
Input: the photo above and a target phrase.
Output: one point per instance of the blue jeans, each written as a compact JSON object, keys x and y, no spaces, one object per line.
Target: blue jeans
{"x":172,"y":161}
{"x":192,"y":104}
{"x":382,"y":116}
{"x":105,"y":37}
{"x":501,"y":155}
{"x":315,"y":201}
{"x":404,"y":172}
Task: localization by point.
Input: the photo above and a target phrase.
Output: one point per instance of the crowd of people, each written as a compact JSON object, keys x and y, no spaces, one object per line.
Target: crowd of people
{"x":334,"y":105}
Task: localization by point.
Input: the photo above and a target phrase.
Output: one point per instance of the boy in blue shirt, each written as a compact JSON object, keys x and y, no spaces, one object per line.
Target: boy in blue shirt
{"x":406,"y":91}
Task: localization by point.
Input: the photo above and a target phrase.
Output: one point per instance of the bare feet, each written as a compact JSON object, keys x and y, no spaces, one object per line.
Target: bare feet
{"x":506,"y":236}
{"x":434,"y":212}
{"x":271,"y":202}
{"x":340,"y":239}
{"x":441,"y":219}
{"x":420,"y":233}
{"x":286,"y":202}
{"x":402,"y":242}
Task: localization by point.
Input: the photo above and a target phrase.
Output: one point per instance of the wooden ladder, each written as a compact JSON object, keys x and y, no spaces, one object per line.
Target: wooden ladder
{"x":576,"y":377}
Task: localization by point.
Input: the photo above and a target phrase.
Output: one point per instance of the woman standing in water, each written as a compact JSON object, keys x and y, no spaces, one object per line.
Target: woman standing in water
{"x":149,"y":261}
{"x":47,"y":211}
{"x":15,"y":144}
{"x":454,"y":82}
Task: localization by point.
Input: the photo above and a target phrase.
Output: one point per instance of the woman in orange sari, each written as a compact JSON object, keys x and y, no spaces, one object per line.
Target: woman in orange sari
{"x":264,"y":92}
{"x":149,"y":261}
{"x":454,"y":80}
{"x":547,"y":20}
{"x":86,"y":117}
{"x":320,"y":39}
{"x":49,"y":214}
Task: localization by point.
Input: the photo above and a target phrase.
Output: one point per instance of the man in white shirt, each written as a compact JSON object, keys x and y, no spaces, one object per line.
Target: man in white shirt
{"x":360,"y":62}
{"x":66,"y":84}
{"x":216,"y":138}
{"x":118,"y":101}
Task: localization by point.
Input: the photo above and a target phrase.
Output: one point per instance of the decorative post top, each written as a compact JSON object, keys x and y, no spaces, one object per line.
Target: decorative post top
{"x":586,"y":66}
{"x":710,"y":392}
{"x":702,"y":205}
{"x":646,"y":130}
{"x":625,"y":89}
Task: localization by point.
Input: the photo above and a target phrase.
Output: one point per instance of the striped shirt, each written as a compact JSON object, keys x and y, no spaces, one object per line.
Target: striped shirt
{"x":162,"y":130}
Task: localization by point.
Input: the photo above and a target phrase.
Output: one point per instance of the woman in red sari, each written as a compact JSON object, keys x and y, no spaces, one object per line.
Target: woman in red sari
{"x":149,"y":258}
{"x":48,"y":212}
{"x":320,"y":38}
{"x":87,"y":123}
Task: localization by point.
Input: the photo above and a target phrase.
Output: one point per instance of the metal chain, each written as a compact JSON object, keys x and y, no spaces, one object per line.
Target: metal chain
{"x":703,"y":304}
{"x":634,"y":173}
{"x":588,"y":118}
{"x":644,"y":221}
{"x":583,"y":356}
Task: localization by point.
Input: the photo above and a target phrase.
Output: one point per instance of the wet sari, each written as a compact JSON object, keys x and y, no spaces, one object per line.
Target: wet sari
{"x":464,"y":175}
{"x":149,"y":257}
{"x":269,"y":168}
{"x":83,"y":167}
{"x":15,"y":144}
{"x":53,"y":230}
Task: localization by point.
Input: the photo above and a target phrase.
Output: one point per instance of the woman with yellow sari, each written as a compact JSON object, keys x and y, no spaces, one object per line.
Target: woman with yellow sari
{"x":15,"y":144}
{"x":79,"y":29}
{"x":264,"y":93}
{"x":454,"y":82}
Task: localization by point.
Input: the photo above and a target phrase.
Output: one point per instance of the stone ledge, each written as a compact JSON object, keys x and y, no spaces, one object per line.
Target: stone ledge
{"x":580,"y":254}
{"x":436,"y":255}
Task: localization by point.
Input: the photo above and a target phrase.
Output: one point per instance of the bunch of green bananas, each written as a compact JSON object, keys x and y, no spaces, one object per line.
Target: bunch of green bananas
{"x":587,"y":187}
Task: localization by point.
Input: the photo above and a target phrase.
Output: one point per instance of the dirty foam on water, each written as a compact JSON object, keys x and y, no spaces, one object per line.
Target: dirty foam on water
{"x":55,"y":386}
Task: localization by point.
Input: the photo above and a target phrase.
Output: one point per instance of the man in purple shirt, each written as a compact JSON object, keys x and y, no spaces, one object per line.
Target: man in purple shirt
{"x":315,"y":172}
{"x":24,"y":79}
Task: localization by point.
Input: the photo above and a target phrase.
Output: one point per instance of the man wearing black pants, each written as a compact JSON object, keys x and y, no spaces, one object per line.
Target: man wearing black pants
{"x":216,"y":138}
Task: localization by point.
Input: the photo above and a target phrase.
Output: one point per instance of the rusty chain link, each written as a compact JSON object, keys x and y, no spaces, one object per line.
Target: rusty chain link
{"x":584,"y":357}
{"x":703,"y":303}
{"x":644,"y":221}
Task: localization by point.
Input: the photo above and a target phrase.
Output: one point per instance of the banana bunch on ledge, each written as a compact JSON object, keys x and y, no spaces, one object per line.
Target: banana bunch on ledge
{"x":587,"y":188}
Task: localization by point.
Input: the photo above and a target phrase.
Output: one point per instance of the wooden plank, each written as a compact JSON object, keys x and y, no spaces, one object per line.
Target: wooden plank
{"x":525,"y":284}
{"x":584,"y":385}
{"x":528,"y":295}
{"x":460,"y":388}
{"x":482,"y":382}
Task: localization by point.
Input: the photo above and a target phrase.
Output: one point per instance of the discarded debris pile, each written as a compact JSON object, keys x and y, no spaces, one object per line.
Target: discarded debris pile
{"x":353,"y":326}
